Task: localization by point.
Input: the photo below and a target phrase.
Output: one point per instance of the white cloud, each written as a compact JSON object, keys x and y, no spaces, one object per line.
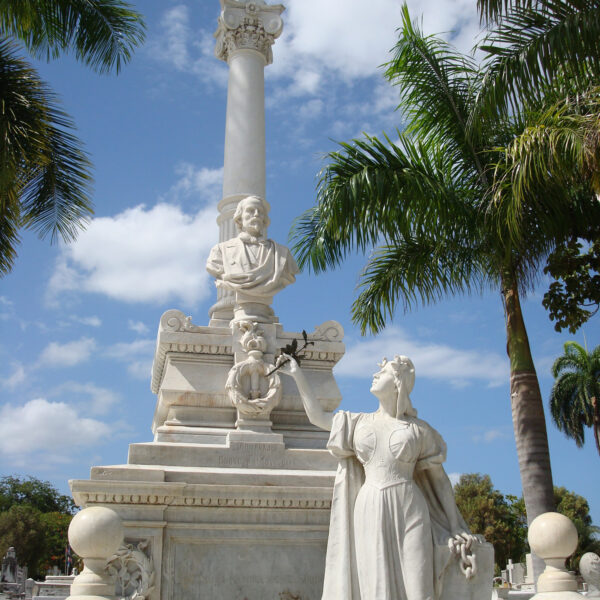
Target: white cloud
{"x":311,"y":109}
{"x":96,"y":400}
{"x":140,"y":369}
{"x":17,"y":378}
{"x":68,"y":354}
{"x":347,"y":39}
{"x":140,"y":255}
{"x":129,"y":349}
{"x":4,"y":301}
{"x":353,"y":38}
{"x":46,"y":427}
{"x":91,"y":321}
{"x":138,"y":356}
{"x":437,"y":361}
{"x":200,"y":182}
{"x":489,"y":436}
{"x":137,"y":326}
{"x":178,"y":46}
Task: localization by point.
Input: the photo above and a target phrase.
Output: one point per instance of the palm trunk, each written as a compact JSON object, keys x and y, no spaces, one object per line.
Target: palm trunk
{"x":528,"y":413}
{"x":596,"y":422}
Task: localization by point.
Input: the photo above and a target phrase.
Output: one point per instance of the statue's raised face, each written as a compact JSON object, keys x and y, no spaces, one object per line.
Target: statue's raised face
{"x":383,"y":381}
{"x":392,"y":385}
{"x":251,"y":216}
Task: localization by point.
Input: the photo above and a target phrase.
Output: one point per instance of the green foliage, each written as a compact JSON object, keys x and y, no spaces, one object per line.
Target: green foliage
{"x":101,"y":33}
{"x":45,"y":176}
{"x":23,"y":527}
{"x":543,"y":61}
{"x":533,"y":43}
{"x":575,"y":396}
{"x":574,"y":295}
{"x":577,"y":509}
{"x":501,"y":519}
{"x":426,"y":203}
{"x":41,"y":495}
{"x":34,"y":518}
{"x":56,"y":527}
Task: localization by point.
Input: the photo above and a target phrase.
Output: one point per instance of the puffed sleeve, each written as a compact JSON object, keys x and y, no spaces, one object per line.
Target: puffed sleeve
{"x":433,"y":447}
{"x":341,"y":438}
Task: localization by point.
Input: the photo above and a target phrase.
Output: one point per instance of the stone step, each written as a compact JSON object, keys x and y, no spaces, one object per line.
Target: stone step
{"x":241,"y":455}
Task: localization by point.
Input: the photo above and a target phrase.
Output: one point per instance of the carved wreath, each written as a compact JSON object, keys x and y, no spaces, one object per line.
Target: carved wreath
{"x":250,"y":390}
{"x":133,"y":571}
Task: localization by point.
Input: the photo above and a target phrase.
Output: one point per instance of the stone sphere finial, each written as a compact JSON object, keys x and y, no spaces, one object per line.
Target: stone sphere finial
{"x":96,"y":532}
{"x":553,"y":538}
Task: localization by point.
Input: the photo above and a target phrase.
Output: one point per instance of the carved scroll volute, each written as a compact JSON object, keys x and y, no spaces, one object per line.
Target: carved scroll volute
{"x":251,"y":386}
{"x":248,"y":25}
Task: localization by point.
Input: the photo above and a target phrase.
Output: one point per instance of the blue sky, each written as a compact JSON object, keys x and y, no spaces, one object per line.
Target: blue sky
{"x":78,"y":322}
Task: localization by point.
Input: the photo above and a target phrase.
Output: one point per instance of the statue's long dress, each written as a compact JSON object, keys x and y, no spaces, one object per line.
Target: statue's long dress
{"x":380,"y":543}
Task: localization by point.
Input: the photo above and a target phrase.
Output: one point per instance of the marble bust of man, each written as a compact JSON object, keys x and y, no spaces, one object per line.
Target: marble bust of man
{"x":252,"y":266}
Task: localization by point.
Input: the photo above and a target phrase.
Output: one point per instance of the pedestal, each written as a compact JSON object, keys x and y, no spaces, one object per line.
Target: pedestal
{"x":222,"y":512}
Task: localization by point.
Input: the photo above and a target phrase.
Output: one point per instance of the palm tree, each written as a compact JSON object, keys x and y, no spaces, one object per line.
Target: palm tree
{"x":45,"y":175}
{"x":575,"y":396}
{"x":426,"y":204}
{"x":546,"y":54}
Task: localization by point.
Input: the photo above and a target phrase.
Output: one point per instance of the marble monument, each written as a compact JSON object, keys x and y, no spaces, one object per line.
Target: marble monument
{"x":232,"y":498}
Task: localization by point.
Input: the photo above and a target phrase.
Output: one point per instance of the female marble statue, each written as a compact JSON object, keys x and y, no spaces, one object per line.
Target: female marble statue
{"x":394,"y":521}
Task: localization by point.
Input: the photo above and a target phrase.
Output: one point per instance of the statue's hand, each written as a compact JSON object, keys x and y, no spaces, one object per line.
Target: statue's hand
{"x":287,"y":365}
{"x":459,"y":537}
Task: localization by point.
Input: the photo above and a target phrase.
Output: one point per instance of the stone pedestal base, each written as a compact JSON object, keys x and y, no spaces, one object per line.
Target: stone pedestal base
{"x":243,"y":521}
{"x":217,"y":509}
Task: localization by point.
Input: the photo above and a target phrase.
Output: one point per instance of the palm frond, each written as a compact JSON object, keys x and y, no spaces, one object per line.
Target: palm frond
{"x":10,"y":220}
{"x":102,"y":33}
{"x":577,"y":375}
{"x":495,"y":9}
{"x":533,"y":44}
{"x":437,"y":85}
{"x":56,"y":198}
{"x":542,"y":169}
{"x":373,"y":190}
{"x":420,"y":269}
{"x":44,"y":173}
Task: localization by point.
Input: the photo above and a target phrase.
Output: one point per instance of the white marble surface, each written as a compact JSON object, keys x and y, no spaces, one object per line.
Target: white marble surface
{"x":395,"y":530}
{"x":589,"y":566}
{"x":553,"y":538}
{"x":95,"y":533}
{"x":244,"y":37}
{"x":251,"y":266}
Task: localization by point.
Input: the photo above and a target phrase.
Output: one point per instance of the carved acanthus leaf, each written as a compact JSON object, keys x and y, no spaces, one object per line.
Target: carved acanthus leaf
{"x":251,"y":25}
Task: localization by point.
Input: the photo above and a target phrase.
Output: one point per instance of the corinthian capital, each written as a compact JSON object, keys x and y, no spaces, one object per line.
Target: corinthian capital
{"x":254,"y":25}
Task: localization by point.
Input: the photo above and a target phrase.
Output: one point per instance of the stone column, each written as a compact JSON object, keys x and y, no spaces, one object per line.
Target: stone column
{"x":245,"y":34}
